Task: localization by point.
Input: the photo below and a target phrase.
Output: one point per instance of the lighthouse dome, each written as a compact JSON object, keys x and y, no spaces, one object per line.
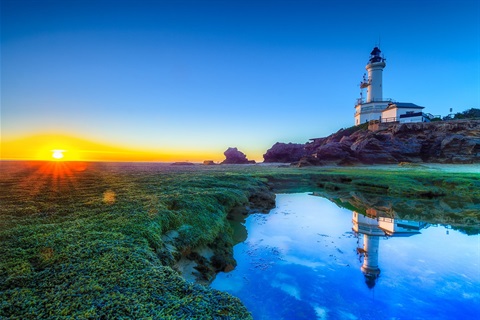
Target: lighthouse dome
{"x":375,"y":55}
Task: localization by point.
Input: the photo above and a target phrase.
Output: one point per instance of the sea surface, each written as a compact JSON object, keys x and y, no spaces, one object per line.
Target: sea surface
{"x":310,"y":259}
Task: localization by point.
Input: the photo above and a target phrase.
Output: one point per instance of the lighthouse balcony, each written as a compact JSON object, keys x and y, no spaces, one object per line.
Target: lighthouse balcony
{"x":376,"y":64}
{"x":364,"y":84}
{"x":363,"y":101}
{"x":369,"y":108}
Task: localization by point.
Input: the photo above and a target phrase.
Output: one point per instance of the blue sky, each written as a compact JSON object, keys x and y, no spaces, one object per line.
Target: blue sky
{"x":206,"y":75}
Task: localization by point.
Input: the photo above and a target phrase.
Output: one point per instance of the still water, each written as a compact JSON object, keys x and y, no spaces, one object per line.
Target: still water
{"x":309,"y":259}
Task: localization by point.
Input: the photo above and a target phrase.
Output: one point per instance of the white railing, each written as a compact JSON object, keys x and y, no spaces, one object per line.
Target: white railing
{"x":391,"y":119}
{"x":363,"y":101}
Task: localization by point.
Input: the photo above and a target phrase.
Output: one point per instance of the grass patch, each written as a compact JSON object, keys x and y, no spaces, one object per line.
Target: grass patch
{"x":85,"y":240}
{"x":85,"y":244}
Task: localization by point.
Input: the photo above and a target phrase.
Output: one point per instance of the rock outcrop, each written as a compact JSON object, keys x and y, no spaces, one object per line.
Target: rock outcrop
{"x":234,"y":156}
{"x":434,"y":142}
{"x":184,"y":163}
{"x":285,"y":152}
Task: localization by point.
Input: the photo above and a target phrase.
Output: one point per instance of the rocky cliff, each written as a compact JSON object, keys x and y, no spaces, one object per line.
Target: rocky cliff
{"x":436,"y":142}
{"x":285,"y":152}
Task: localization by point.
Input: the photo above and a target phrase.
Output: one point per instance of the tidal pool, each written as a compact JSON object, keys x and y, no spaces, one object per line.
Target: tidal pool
{"x":310,"y":259}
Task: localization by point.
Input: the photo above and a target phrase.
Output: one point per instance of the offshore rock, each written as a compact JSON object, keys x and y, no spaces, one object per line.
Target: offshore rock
{"x":234,"y":156}
{"x":285,"y":152}
{"x":184,"y":163}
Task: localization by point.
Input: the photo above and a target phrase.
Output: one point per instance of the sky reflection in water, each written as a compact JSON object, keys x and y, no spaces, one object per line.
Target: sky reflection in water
{"x":301,"y":262}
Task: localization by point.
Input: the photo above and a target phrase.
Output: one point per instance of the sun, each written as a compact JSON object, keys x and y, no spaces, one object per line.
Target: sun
{"x":57,"y":154}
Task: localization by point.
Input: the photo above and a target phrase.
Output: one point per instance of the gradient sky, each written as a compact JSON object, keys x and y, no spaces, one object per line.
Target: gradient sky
{"x":185,"y":78}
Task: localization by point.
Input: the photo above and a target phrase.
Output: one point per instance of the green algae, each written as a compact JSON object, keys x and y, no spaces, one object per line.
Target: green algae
{"x":87,"y":245}
{"x":85,"y":240}
{"x":417,"y":193}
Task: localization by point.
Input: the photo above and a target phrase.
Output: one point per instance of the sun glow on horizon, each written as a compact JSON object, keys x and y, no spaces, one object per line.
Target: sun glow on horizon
{"x":58,"y":154}
{"x":62,"y":147}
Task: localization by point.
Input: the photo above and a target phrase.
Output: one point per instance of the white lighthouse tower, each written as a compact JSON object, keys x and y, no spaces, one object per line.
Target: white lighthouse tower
{"x":375,"y":69}
{"x":372,"y":108}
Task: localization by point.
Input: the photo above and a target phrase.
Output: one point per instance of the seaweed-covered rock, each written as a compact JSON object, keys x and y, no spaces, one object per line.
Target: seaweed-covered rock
{"x":262,"y":201}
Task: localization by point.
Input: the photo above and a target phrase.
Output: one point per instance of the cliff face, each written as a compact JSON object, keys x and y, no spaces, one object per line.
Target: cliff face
{"x":436,"y":142}
{"x":285,"y":152}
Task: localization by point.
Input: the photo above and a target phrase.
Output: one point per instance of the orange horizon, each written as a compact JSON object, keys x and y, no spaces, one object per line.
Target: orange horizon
{"x":41,"y":147}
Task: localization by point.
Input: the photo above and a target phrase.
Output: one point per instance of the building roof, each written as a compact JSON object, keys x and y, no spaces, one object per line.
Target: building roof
{"x":375,"y":51}
{"x":402,"y":105}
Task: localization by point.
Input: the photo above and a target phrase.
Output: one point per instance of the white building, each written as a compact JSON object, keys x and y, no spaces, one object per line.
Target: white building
{"x":404,"y":112}
{"x":376,"y":107}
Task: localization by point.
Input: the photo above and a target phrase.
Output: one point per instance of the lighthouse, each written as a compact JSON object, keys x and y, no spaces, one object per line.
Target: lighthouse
{"x":375,"y":107}
{"x":375,"y":69}
{"x":372,"y":107}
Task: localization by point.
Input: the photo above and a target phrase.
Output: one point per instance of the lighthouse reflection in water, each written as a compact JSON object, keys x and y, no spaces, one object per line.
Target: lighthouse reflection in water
{"x":310,"y":259}
{"x":375,"y":226}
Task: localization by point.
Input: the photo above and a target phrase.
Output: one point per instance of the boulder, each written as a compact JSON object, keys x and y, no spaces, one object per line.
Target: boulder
{"x":333,"y":151}
{"x":285,"y":152}
{"x":308,"y":161}
{"x":458,"y":149}
{"x":373,"y":150}
{"x":234,"y":156}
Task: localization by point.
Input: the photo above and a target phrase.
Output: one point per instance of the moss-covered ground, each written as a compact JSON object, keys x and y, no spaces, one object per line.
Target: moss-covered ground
{"x":81,"y":240}
{"x":84,"y":240}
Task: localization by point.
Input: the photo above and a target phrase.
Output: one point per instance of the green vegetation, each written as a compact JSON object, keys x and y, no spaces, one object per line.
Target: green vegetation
{"x":350,"y":130}
{"x":472,"y":113}
{"x":409,"y":191}
{"x":413,"y":194}
{"x":85,"y":240}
